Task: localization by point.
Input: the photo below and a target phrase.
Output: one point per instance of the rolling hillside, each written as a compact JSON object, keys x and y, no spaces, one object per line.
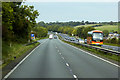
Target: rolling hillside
{"x":110,"y":28}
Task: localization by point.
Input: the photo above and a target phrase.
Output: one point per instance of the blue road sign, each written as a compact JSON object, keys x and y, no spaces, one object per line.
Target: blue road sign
{"x":32,"y":36}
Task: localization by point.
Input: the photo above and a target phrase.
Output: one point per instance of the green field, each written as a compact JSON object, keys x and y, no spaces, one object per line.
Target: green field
{"x":110,"y":28}
{"x":86,"y":25}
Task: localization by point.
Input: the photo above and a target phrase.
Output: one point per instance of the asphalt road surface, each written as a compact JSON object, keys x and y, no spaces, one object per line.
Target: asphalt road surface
{"x":55,"y":59}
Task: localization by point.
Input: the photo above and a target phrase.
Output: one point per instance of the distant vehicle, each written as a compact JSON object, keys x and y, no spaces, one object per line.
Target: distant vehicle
{"x":81,"y":41}
{"x":51,"y":36}
{"x":56,"y":33}
{"x":77,"y":39}
{"x":55,"y":37}
{"x":72,"y":39}
{"x":85,"y":41}
{"x":67,"y":38}
{"x":95,"y":37}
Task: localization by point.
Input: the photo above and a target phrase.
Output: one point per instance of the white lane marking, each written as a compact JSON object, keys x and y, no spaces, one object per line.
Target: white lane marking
{"x":93,"y":55}
{"x":67,"y":64}
{"x":62,"y":57}
{"x":70,"y":69}
{"x":22,"y":61}
{"x":74,"y":76}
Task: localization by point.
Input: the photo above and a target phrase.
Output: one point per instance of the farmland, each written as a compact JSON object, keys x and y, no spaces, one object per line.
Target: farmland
{"x":110,"y":28}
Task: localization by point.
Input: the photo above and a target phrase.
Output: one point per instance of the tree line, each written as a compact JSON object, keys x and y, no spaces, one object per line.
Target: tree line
{"x":70,"y":23}
{"x":80,"y":31}
{"x":18,"y":21}
{"x":73,"y":23}
{"x":40,"y":31}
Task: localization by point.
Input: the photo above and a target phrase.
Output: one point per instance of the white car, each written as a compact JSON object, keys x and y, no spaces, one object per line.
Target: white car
{"x":81,"y":41}
{"x":85,"y":41}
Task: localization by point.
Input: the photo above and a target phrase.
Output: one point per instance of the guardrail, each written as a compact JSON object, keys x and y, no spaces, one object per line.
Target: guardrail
{"x":94,"y":47}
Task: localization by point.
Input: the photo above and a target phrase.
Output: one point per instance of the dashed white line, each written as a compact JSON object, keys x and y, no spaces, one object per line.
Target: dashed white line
{"x":67,"y":64}
{"x":93,"y":55}
{"x":62,"y":57}
{"x":74,"y":76}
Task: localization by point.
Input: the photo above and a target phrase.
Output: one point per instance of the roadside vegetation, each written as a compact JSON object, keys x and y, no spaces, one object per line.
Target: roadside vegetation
{"x":14,"y":52}
{"x":112,"y":42}
{"x":18,"y":23}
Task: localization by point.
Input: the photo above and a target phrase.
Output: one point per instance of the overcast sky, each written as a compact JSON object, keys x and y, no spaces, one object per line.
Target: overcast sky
{"x":72,"y":0}
{"x":76,"y":11}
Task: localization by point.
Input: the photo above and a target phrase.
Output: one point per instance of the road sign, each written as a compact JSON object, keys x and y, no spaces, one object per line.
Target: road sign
{"x":32,"y":36}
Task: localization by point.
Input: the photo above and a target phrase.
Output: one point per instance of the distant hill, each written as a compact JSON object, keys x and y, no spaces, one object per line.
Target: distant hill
{"x":110,"y":28}
{"x":101,"y":27}
{"x":92,"y":25}
{"x":61,"y":24}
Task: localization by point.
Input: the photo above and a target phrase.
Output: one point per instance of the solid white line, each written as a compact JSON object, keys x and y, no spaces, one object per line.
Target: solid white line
{"x":22,"y":61}
{"x":93,"y":55}
{"x":67,"y":64}
{"x":74,"y":76}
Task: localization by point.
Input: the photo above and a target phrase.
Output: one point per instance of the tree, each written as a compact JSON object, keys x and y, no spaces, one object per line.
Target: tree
{"x":111,"y":23}
{"x":74,"y":32}
{"x":60,"y":29}
{"x":79,"y":31}
{"x":18,"y":21}
{"x":82,"y":31}
{"x":105,"y":33}
{"x":7,"y":20}
{"x":40,"y":31}
{"x":83,"y":22}
{"x":86,"y":30}
{"x":87,"y":22}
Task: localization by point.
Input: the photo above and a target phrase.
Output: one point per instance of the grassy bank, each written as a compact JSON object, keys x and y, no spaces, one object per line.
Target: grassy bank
{"x":111,"y":44}
{"x":16,"y":50}
{"x":110,"y":28}
{"x":94,"y":51}
{"x":42,"y":38}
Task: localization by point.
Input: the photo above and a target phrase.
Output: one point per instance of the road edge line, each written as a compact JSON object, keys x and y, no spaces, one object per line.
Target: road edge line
{"x":92,"y":55}
{"x":9,"y":73}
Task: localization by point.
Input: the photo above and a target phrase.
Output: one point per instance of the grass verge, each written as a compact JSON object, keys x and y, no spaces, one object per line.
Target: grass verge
{"x":15,"y":51}
{"x":111,"y":44}
{"x":96,"y":52}
{"x":41,"y":38}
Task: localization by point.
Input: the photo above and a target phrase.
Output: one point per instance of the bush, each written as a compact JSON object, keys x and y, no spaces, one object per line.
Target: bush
{"x":113,"y":41}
